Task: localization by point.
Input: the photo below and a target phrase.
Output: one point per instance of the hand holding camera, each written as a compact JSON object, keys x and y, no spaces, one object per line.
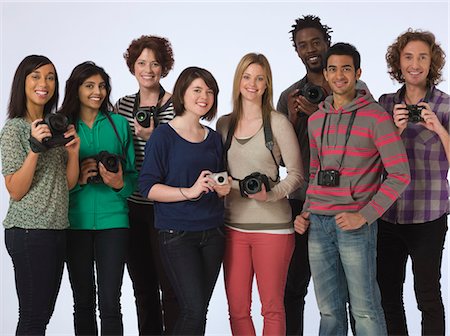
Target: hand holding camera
{"x":88,"y":171}
{"x":102,"y":168}
{"x":221,"y":183}
{"x":145,"y":121}
{"x":72,"y":146}
{"x":143,"y":132}
{"x":49,"y":132}
{"x":255,"y":186}
{"x":39,"y":130}
{"x":111,"y":178}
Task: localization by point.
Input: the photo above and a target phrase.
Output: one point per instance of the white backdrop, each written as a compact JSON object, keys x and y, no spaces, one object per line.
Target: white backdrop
{"x":213,"y":35}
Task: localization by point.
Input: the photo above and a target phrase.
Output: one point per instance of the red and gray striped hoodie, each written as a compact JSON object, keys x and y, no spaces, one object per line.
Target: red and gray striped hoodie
{"x":373,"y":145}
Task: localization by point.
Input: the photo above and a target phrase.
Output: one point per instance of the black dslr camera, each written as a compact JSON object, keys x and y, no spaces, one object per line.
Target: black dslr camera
{"x":111,"y":163}
{"x":145,"y":114}
{"x":414,"y":113}
{"x":313,"y":93}
{"x":252,"y":184}
{"x":328,"y":178}
{"x":57,"y":123}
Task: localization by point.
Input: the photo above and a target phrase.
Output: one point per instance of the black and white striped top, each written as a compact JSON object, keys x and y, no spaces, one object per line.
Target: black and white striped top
{"x":124,"y":106}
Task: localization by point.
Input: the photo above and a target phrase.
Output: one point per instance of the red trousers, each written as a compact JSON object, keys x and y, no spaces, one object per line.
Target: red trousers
{"x":267,"y":256}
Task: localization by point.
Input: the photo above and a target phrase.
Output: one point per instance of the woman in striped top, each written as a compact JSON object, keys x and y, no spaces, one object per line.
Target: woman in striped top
{"x":149,"y":58}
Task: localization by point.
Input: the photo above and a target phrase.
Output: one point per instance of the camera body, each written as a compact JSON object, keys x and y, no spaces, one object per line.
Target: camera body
{"x":220,"y":178}
{"x":252,"y":184}
{"x":328,"y":178}
{"x":145,"y":114}
{"x":57,"y":123}
{"x":313,"y":93}
{"x":414,"y":113}
{"x":111,"y":163}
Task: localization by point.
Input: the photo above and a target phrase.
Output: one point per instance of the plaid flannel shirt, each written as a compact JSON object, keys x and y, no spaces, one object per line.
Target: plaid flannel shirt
{"x":427,"y":196}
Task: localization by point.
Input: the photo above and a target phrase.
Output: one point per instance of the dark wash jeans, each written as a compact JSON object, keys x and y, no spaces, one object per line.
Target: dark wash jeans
{"x":155,"y":312}
{"x":38,"y":260}
{"x":192,"y":261}
{"x":106,"y":249}
{"x":424,"y":243}
{"x":298,"y":279}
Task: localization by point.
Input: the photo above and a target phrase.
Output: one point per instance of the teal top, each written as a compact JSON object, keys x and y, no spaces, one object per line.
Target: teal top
{"x":45,"y":205}
{"x":98,"y":206}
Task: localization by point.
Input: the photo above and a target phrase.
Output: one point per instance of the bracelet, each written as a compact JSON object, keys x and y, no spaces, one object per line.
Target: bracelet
{"x":190,"y":199}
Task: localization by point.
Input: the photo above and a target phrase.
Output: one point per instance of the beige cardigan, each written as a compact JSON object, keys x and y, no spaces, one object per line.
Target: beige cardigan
{"x":253,"y":156}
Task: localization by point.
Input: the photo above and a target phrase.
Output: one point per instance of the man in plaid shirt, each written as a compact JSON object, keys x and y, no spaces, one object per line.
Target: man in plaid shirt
{"x":416,"y":224}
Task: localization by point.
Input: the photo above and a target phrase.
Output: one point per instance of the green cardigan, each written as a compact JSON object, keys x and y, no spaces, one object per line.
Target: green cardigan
{"x":98,"y":206}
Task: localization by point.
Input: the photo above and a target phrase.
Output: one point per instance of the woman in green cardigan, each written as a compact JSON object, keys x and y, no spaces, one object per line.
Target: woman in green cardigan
{"x":98,"y":211}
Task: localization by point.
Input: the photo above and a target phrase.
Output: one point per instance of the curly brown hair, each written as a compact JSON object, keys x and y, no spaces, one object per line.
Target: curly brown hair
{"x":437,"y":55}
{"x":159,"y":45}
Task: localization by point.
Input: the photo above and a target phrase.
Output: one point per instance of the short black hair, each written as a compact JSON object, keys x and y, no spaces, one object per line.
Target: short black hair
{"x":342,"y":48}
{"x":310,"y":21}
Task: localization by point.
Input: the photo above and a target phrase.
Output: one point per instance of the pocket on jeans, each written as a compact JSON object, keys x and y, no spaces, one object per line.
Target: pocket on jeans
{"x":171,"y":236}
{"x":221,"y":230}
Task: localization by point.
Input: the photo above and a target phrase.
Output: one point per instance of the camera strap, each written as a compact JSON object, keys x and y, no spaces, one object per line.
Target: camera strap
{"x":123,"y":156}
{"x":347,"y":136}
{"x":401,"y":97}
{"x":137,"y":101}
{"x":268,"y":138}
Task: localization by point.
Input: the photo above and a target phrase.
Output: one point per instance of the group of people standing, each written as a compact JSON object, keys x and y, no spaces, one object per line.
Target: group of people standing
{"x":144,"y":183}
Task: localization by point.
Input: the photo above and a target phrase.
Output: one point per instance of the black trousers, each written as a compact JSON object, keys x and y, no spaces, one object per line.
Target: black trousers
{"x":192,"y":261}
{"x":106,"y":251}
{"x":38,"y":260}
{"x":156,"y":303}
{"x":424,"y":243}
{"x":298,"y":279}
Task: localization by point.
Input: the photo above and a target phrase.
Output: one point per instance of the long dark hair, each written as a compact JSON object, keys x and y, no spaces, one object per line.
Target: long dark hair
{"x":71,"y":105}
{"x":18,"y":100}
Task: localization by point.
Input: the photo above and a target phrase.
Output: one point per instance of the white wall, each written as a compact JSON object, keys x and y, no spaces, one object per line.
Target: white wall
{"x":213,"y":35}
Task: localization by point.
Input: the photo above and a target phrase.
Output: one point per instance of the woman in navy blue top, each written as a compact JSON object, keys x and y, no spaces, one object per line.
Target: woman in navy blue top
{"x":176,"y":174}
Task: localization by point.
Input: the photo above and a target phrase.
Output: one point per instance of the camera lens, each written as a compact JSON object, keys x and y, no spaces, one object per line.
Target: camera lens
{"x":315,"y":95}
{"x":143,"y":118}
{"x":58,"y":123}
{"x":252,"y":186}
{"x":140,"y":116}
{"x":220,"y":179}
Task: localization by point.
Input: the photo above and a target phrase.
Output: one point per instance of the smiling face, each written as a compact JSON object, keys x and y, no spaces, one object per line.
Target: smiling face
{"x":311,"y":47}
{"x":92,"y":92}
{"x":147,"y":70}
{"x":198,"y":98}
{"x":40,"y":86}
{"x":415,"y":62}
{"x":253,"y":83}
{"x":341,"y":75}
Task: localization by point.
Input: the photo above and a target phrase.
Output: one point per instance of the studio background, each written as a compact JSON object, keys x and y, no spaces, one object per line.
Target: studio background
{"x":213,"y":35}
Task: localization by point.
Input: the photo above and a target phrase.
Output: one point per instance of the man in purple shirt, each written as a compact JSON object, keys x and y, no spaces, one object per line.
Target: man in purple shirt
{"x":416,"y":224}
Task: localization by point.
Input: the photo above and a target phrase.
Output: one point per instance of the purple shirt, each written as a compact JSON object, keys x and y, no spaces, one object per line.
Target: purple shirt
{"x":427,"y":196}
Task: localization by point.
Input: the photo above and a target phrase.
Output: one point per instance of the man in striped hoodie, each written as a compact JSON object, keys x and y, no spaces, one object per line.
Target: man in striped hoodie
{"x":353,"y":139}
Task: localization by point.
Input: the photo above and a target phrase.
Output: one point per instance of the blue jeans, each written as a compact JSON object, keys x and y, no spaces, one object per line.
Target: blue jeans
{"x":192,"y":261}
{"x":343,"y":267}
{"x":38,"y":259}
{"x":106,"y":249}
